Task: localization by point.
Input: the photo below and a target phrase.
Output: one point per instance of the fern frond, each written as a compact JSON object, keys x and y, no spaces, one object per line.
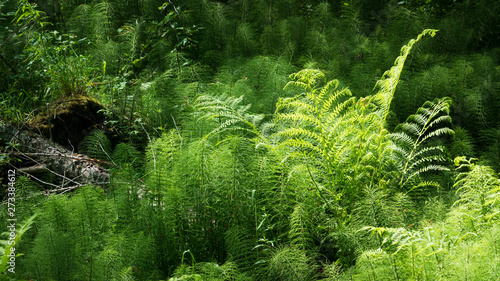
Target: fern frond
{"x":324,"y":91}
{"x":389,"y":81}
{"x":411,"y":137}
{"x":341,"y":107}
{"x":320,"y":111}
{"x":293,"y":102}
{"x":418,"y":118}
{"x":308,"y":77}
{"x":441,"y":119}
{"x":229,"y":107}
{"x":415,"y":179}
{"x":298,"y":84}
{"x":97,"y":145}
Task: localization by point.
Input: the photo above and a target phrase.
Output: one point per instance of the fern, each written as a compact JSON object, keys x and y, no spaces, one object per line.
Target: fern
{"x":387,"y":85}
{"x":229,"y":112}
{"x":413,"y":142}
{"x":346,"y":135}
{"x":97,"y":145}
{"x":314,"y":115}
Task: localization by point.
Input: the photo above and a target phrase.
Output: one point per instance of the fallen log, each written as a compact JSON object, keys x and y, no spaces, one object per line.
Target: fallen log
{"x":44,"y":155}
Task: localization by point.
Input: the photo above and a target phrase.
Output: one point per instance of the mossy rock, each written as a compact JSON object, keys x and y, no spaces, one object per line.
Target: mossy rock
{"x":71,"y":120}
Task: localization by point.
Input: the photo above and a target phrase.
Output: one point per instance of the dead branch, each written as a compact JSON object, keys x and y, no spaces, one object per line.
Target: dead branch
{"x":68,"y":166}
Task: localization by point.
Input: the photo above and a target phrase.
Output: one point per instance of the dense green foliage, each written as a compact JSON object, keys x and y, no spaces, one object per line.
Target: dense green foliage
{"x":263,"y":140}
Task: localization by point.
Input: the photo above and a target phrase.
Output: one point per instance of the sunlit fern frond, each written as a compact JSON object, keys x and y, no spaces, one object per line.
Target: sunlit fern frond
{"x":307,"y":79}
{"x":389,"y":81}
{"x":312,"y":114}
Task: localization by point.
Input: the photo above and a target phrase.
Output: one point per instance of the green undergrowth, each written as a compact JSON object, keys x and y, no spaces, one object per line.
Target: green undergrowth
{"x":260,"y":140}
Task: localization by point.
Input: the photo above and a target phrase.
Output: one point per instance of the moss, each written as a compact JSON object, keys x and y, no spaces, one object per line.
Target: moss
{"x":71,"y":119}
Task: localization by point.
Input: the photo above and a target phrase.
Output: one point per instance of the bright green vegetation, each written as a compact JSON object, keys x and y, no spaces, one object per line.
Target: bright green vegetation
{"x":262,"y":140}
